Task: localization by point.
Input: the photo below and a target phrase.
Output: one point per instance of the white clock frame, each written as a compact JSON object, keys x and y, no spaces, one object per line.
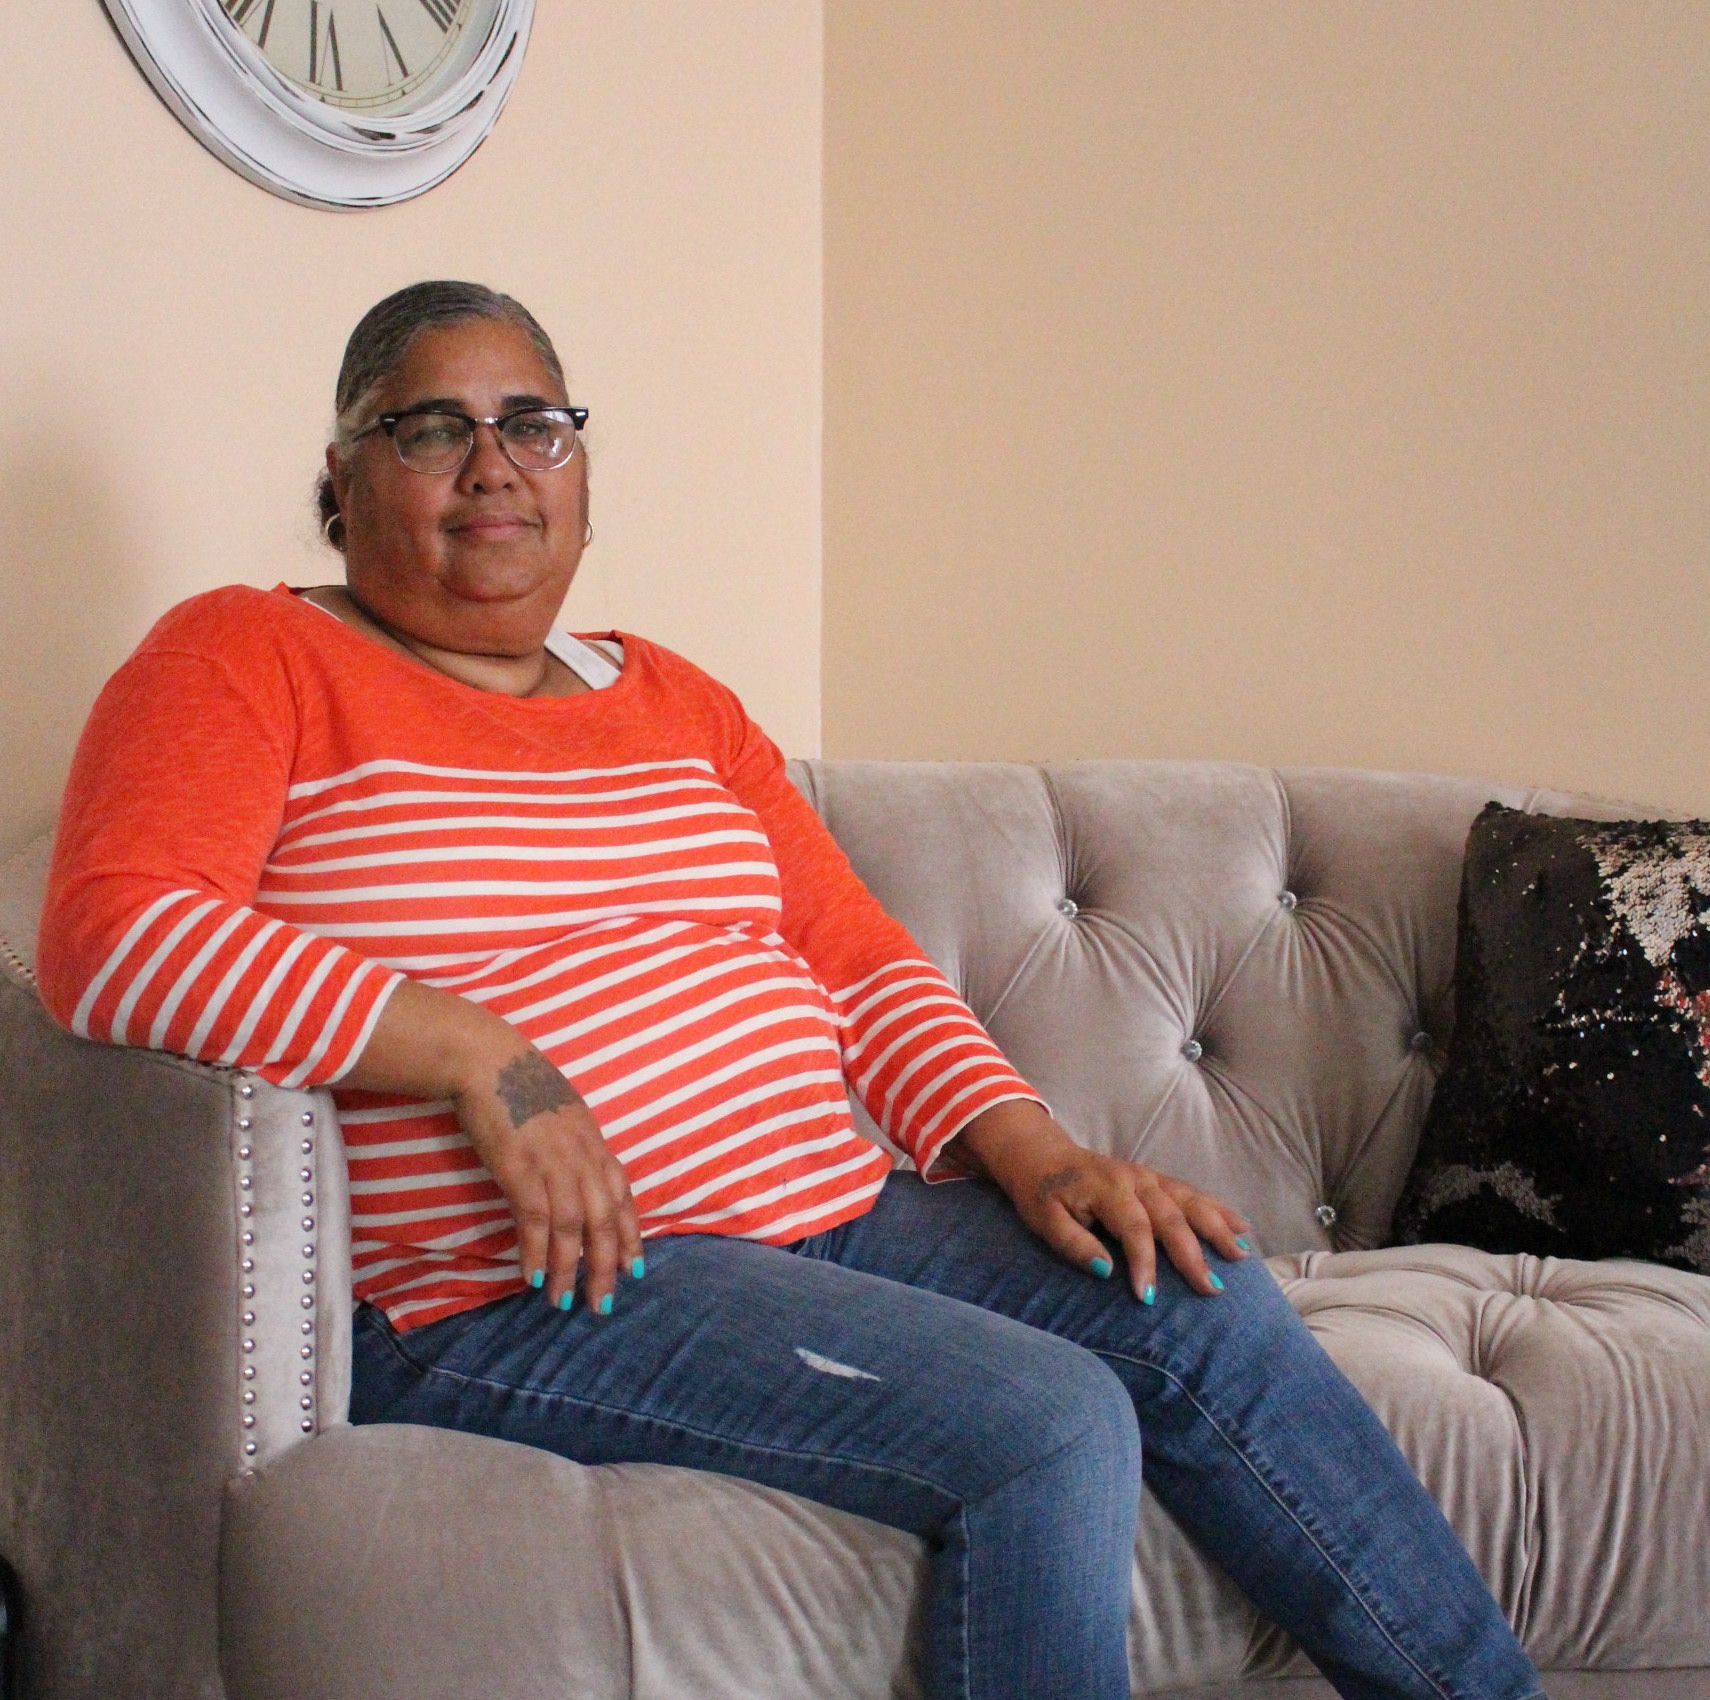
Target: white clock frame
{"x":239,"y":107}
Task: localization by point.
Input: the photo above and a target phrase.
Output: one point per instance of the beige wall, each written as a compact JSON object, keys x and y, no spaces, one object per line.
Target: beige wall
{"x":653,"y":192}
{"x":1309,"y":382}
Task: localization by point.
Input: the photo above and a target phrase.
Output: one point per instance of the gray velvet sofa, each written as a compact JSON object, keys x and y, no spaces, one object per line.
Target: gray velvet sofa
{"x":1240,"y":975}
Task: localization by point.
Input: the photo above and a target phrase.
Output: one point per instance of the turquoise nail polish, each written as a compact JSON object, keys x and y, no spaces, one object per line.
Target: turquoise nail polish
{"x":566,"y":1301}
{"x":1216,"y":1282}
{"x":538,"y":1279}
{"x":1150,"y":1296}
{"x":606,"y":1305}
{"x":1100,"y":1266}
{"x":638,"y":1268}
{"x":1242,"y":1243}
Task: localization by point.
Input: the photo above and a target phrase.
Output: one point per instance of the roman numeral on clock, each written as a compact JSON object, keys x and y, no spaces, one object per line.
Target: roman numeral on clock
{"x":443,"y":12}
{"x":321,"y":62}
{"x":332,"y":48}
{"x":391,"y":46}
{"x":239,"y":10}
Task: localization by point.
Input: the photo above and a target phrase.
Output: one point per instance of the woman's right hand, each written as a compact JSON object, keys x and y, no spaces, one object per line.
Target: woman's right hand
{"x":529,"y":1126}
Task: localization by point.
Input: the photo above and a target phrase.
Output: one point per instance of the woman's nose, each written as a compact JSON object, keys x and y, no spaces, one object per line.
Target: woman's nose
{"x":488,"y":466}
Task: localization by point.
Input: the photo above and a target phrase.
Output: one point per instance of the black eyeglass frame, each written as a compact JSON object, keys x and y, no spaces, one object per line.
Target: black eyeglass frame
{"x":389,"y":422}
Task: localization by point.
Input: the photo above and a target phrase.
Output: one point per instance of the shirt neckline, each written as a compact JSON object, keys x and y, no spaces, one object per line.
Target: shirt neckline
{"x":432,"y":675}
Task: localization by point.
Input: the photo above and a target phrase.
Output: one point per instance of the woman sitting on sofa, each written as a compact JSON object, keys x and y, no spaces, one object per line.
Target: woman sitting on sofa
{"x":590,"y":981}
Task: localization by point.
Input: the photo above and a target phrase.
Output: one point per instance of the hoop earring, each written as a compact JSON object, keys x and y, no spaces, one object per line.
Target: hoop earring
{"x":587,"y":532}
{"x":332,"y":519}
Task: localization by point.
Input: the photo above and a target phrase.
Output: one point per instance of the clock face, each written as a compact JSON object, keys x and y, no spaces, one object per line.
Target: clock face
{"x":342,"y":103}
{"x":374,"y":56}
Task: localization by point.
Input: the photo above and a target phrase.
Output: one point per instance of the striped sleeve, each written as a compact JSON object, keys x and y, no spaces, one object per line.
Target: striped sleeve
{"x":149,"y":936}
{"x":913,"y":1052}
{"x":916,"y":1055}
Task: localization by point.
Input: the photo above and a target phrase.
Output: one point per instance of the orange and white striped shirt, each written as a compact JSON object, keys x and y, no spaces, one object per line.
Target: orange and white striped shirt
{"x":271,"y":820}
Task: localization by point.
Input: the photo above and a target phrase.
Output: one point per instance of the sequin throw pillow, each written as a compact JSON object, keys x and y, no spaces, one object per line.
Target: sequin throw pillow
{"x":1573,"y":1118}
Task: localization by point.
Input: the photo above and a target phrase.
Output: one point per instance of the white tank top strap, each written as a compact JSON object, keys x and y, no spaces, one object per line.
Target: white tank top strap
{"x":594,"y":667}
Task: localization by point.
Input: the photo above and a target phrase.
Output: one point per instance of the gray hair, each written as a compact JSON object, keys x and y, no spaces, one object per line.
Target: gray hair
{"x":381,"y":340}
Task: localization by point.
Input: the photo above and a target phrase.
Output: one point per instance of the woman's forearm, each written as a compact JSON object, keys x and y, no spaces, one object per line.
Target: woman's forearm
{"x":1015,"y":1133}
{"x":529,"y":1126}
{"x":434,"y":1044}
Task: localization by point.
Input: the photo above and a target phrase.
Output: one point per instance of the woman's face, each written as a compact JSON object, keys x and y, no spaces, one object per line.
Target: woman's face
{"x":477,"y":560}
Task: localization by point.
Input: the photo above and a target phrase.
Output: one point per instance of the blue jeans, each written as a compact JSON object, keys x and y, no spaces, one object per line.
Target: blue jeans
{"x":933,"y":1366}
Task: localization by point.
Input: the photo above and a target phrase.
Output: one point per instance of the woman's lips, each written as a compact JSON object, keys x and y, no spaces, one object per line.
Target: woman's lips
{"x":486,"y":528}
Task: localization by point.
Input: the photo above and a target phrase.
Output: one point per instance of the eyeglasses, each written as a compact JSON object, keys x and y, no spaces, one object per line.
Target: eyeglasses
{"x":432,"y":439}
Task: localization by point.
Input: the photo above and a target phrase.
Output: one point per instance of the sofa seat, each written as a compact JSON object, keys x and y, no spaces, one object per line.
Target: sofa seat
{"x":1550,"y":1406}
{"x":1555,"y":1409}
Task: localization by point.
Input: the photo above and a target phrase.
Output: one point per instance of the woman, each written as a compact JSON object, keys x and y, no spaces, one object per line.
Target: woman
{"x":590,"y":980}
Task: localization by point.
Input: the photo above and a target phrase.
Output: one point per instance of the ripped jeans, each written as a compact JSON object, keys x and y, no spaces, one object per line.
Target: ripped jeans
{"x":933,"y":1366}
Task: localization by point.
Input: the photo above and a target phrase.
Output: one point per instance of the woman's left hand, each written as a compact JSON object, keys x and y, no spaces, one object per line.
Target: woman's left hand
{"x":1062,"y":1191}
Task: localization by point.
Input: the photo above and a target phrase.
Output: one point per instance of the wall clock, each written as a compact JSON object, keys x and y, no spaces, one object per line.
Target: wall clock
{"x":342,"y":103}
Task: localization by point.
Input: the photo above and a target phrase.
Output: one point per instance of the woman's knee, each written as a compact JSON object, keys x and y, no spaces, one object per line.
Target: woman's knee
{"x":1223,"y":1348}
{"x":1066,"y":1414}
{"x":1103,"y":1441}
{"x":1057,"y":1508}
{"x":1250,"y":1308}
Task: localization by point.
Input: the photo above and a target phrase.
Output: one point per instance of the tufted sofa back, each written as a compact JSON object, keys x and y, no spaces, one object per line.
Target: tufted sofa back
{"x":1238,"y":975}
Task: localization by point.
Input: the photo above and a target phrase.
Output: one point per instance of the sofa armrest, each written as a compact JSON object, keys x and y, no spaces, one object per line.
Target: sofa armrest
{"x":141,"y":1198}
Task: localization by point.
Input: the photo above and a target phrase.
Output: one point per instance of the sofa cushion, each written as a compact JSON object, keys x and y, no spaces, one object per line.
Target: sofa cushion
{"x":393,"y":1562}
{"x":1574,"y":1115}
{"x":1556,"y":1412}
{"x":401,"y":1563}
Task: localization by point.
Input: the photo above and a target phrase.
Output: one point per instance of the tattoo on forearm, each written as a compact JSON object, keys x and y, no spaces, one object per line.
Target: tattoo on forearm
{"x":530,"y":1086}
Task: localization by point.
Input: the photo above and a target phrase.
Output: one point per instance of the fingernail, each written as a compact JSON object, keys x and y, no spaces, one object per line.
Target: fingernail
{"x":638,"y":1268}
{"x":566,"y":1300}
{"x":538,"y":1279}
{"x":1150,"y":1296}
{"x":1242,"y":1243}
{"x":1216,"y":1282}
{"x":1100,"y":1266}
{"x":606,"y":1305}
